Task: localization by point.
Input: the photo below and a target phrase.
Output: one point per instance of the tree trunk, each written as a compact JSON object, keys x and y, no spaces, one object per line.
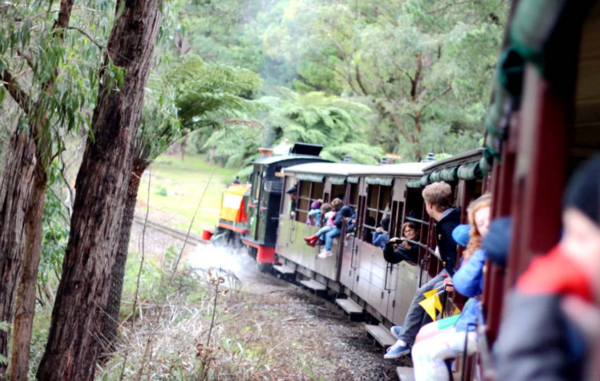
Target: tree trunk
{"x":118,"y":272}
{"x":78,"y":315}
{"x":15,"y":191}
{"x":26,"y":292}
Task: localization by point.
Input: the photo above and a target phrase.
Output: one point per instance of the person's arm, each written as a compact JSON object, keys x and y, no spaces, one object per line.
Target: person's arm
{"x":467,"y":280}
{"x":375,"y":237}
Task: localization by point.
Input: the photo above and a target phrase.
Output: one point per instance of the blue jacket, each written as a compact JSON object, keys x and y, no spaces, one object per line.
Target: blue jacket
{"x":468,"y":281}
{"x":380,"y":239}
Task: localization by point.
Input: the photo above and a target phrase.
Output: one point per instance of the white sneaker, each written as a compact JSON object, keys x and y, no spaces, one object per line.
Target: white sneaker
{"x":325,"y":254}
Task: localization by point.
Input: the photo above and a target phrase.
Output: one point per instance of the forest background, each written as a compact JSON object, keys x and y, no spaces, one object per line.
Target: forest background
{"x":362,"y":78}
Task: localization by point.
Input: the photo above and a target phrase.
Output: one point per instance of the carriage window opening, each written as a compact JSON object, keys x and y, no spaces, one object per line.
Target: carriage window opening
{"x":378,"y":208}
{"x":353,"y":200}
{"x":414,"y":206}
{"x":303,"y":203}
{"x":397,"y":221}
{"x":317,"y":192}
{"x":338,"y":191}
{"x":309,"y":193}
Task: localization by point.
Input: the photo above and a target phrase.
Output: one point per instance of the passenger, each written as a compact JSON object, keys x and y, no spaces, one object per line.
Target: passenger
{"x":438,"y":204}
{"x":319,"y":238}
{"x":314,"y":215}
{"x":429,"y":355}
{"x":337,"y":204}
{"x":381,"y":236}
{"x":236,"y":181}
{"x":347,"y":216}
{"x":398,"y":250}
{"x":539,"y":339}
{"x":293,"y":193}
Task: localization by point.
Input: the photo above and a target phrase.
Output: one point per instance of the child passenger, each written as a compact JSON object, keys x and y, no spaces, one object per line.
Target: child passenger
{"x":538,"y":338}
{"x":314,"y":214}
{"x":329,"y":215}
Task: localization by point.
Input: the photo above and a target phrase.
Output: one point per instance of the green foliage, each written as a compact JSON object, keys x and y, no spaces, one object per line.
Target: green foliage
{"x":161,"y":190}
{"x":192,"y":96}
{"x":56,"y":226}
{"x":56,"y":72}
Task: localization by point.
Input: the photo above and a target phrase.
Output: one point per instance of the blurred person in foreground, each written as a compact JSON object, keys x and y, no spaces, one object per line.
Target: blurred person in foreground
{"x":546,"y":333}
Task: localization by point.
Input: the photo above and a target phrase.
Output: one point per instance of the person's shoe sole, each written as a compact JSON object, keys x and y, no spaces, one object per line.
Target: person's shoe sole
{"x":397,"y":355}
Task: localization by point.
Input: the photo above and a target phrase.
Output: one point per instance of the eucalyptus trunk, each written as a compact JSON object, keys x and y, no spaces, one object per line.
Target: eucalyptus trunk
{"x":23,"y":188}
{"x":25,"y":309}
{"x":15,"y":193}
{"x":118,"y":272}
{"x":79,"y":310}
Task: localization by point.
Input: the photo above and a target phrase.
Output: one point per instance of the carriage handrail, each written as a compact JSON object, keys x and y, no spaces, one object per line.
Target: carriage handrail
{"x":412,"y":219}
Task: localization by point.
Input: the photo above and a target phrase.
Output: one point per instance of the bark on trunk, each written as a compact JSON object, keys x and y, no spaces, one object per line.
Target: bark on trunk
{"x":118,"y":272}
{"x":78,"y":316}
{"x":26,"y":292}
{"x":22,"y":191}
{"x":15,"y":191}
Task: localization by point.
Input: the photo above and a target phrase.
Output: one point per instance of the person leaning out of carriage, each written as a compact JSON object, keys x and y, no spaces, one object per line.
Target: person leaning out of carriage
{"x":293,"y":193}
{"x":397,"y":250}
{"x":438,"y":204}
{"x":542,"y":337}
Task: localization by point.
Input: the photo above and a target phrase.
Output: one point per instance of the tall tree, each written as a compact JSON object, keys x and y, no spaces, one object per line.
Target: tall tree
{"x":78,"y":314}
{"x":34,"y":59}
{"x":423,"y":66}
{"x":193,"y":95}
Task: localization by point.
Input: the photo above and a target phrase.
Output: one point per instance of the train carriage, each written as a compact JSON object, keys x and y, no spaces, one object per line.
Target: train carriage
{"x":358,"y":269}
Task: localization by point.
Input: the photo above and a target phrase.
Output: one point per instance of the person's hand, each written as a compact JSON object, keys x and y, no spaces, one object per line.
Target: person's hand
{"x":448,"y":284}
{"x":405,"y":244}
{"x":349,"y":235}
{"x":378,"y":230}
{"x":293,"y":214}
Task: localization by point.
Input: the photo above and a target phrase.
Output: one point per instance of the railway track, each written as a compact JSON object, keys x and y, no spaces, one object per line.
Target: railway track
{"x":193,"y":239}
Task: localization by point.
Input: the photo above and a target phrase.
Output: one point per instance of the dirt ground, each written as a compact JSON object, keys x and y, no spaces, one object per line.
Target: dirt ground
{"x":308,"y":337}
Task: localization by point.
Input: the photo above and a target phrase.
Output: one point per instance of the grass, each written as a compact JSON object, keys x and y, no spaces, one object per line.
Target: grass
{"x":176,"y":188}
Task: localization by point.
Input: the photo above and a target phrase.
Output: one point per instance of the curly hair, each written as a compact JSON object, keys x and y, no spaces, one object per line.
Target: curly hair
{"x":326,"y":207}
{"x":474,"y":244}
{"x":337,"y":204}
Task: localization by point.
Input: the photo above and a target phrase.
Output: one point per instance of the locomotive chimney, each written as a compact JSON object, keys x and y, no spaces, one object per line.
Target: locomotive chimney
{"x":265,"y":152}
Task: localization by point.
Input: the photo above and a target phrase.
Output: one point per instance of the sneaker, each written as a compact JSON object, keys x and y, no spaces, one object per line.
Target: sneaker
{"x":396,"y":351}
{"x":396,"y":331}
{"x":325,"y":254}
